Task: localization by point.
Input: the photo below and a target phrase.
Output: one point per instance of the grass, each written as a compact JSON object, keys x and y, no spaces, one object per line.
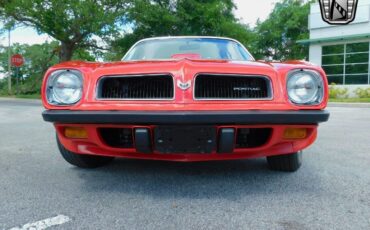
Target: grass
{"x":29,"y":96}
{"x":23,"y":96}
{"x":350,"y":100}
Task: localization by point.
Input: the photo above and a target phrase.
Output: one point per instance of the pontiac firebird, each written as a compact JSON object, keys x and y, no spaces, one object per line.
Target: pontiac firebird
{"x":185,"y":99}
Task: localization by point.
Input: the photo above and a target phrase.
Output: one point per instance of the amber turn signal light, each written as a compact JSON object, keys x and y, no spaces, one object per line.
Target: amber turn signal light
{"x":295,"y":133}
{"x":75,"y":132}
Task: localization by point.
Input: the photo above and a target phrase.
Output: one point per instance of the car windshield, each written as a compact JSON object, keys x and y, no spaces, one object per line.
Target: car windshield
{"x":204,"y":48}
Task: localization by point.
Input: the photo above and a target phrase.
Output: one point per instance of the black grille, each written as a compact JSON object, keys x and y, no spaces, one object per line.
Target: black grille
{"x":136,"y":87}
{"x":252,"y":138}
{"x":117,"y":137}
{"x":229,"y":87}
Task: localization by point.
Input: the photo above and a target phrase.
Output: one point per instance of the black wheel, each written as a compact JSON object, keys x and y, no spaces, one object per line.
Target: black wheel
{"x":83,"y":161}
{"x":286,"y":163}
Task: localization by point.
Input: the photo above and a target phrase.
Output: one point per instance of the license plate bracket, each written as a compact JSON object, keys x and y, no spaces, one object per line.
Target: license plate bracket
{"x":185,"y":139}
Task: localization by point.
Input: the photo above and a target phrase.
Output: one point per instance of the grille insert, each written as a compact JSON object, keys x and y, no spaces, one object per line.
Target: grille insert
{"x":152,"y":87}
{"x":117,"y":137}
{"x":252,"y":138}
{"x":232,"y":87}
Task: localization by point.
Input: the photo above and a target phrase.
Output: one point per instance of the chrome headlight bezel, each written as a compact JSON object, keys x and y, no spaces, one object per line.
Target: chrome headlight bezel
{"x":317,"y":82}
{"x":52,"y":95}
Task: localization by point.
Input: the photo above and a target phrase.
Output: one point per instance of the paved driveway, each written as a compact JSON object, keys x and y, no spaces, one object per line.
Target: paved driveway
{"x":331,"y":191}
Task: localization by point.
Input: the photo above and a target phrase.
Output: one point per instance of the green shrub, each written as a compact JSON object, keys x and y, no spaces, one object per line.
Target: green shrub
{"x":363,"y":93}
{"x":336,"y":93}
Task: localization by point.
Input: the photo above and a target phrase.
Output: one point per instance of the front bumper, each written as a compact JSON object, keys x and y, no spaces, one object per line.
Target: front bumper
{"x":186,"y":117}
{"x":144,"y":125}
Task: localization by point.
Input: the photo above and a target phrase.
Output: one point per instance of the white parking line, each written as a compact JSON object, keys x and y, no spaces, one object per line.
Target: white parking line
{"x":44,"y":224}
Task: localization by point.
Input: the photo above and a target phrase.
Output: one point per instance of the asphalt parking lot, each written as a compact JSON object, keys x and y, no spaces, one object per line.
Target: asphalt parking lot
{"x":330,"y":191}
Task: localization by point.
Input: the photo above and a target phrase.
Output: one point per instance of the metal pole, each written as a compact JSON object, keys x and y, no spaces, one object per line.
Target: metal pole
{"x":9,"y":65}
{"x":17,"y":80}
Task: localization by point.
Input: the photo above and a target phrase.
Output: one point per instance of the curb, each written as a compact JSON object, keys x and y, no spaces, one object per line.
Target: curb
{"x":349,"y":105}
{"x":22,"y":100}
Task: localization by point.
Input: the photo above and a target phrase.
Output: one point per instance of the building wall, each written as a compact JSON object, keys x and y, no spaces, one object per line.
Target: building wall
{"x":320,"y":29}
{"x":315,"y":53}
{"x":315,"y":50}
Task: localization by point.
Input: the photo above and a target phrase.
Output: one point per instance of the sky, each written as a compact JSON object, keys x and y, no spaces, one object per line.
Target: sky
{"x":248,"y":12}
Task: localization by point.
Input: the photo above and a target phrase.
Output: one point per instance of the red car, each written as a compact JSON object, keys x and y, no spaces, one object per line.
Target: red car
{"x":185,"y":99}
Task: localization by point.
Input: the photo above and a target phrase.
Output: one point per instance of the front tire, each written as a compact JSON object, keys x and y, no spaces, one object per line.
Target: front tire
{"x":286,"y":163}
{"x":82,"y":161}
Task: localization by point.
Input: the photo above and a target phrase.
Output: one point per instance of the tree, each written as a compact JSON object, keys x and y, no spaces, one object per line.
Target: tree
{"x":76,"y":24}
{"x":151,"y":18}
{"x":277,"y":35}
{"x":38,"y":58}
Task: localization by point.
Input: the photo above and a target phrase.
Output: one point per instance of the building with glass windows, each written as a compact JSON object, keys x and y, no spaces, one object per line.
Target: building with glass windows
{"x":342,"y":50}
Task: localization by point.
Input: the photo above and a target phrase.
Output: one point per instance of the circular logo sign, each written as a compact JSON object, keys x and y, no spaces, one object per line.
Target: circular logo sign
{"x":17,"y":60}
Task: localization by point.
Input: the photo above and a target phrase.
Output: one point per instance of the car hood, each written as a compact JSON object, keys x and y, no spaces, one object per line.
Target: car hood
{"x":184,"y":66}
{"x":185,"y":62}
{"x":183,"y":71}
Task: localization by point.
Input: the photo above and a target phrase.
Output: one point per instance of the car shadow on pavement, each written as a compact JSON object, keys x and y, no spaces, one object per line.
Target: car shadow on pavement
{"x":226,"y":179}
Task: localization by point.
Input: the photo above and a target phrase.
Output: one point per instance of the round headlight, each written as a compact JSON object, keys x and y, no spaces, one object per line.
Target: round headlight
{"x":64,"y":87}
{"x":305,"y":87}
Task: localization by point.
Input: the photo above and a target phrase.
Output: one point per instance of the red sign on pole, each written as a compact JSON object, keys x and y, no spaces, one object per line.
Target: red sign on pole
{"x":17,"y":60}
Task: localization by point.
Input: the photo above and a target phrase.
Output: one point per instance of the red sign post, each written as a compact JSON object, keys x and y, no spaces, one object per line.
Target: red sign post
{"x":17,"y":60}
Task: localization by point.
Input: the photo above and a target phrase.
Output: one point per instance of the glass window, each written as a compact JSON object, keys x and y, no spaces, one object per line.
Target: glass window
{"x":347,"y":63}
{"x":338,"y":80}
{"x":335,"y":69}
{"x":357,"y":79}
{"x":336,"y":49}
{"x":206,"y":48}
{"x":357,"y":47}
{"x":333,"y":59}
{"x":359,"y":68}
{"x":357,"y":58}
